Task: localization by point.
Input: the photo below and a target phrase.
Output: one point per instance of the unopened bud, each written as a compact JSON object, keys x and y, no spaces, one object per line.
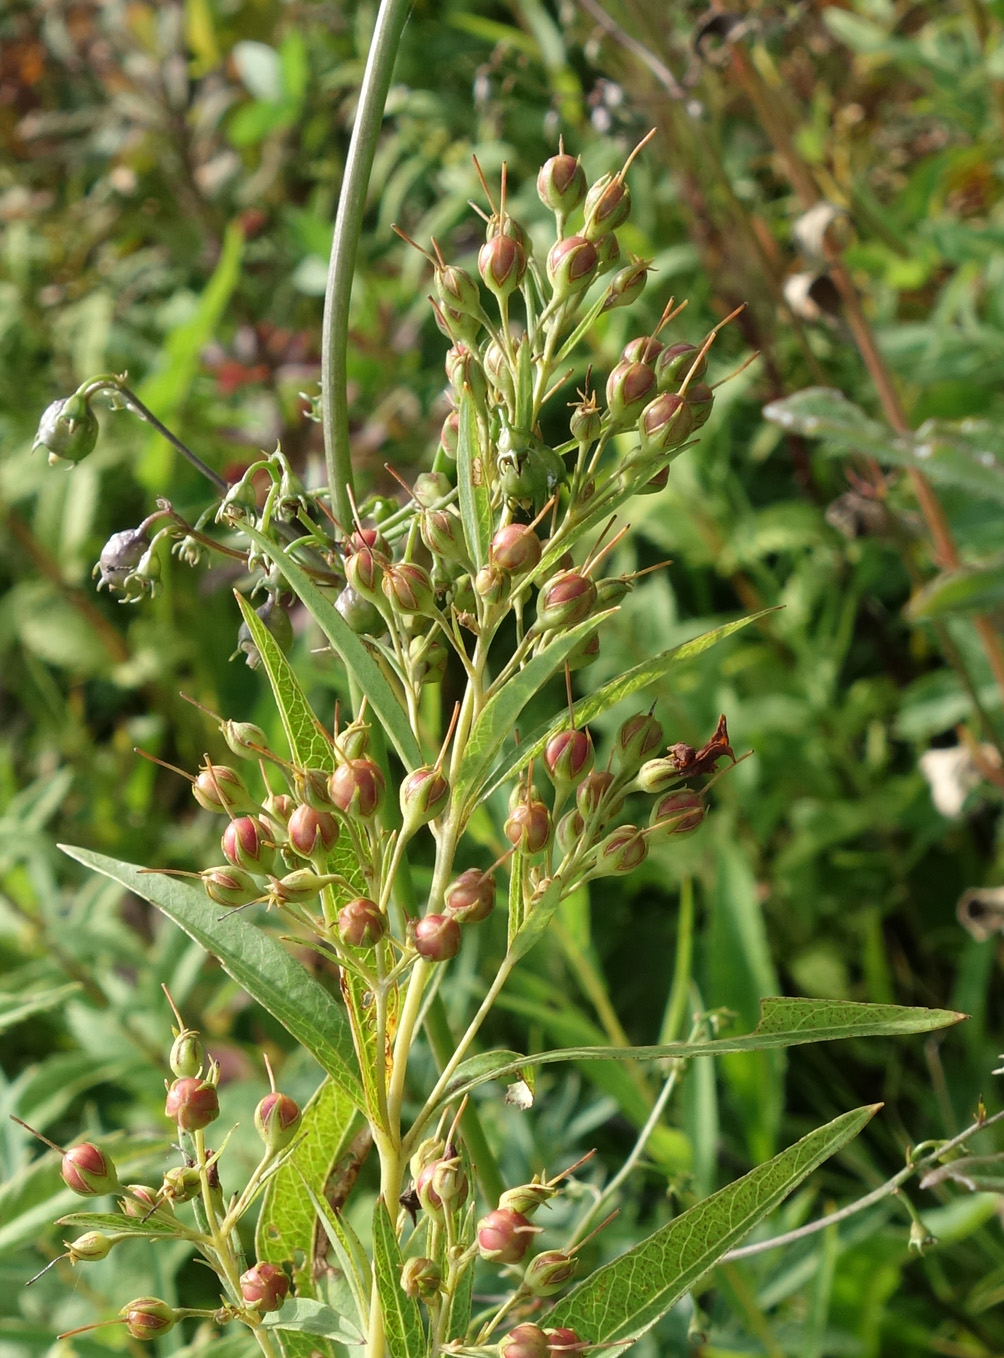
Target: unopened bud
{"x":192,"y":1104}
{"x":148,"y":1317}
{"x":679,"y":813}
{"x":637,"y":739}
{"x":67,"y":431}
{"x":449,"y":435}
{"x":264,"y":1286}
{"x":424,"y":794}
{"x":571,"y":266}
{"x":568,"y":832}
{"x":491,"y":583}
{"x":548,"y":1272}
{"x":566,"y":599}
{"x":140,"y":1201}
{"x":608,"y":253}
{"x":356,"y":788}
{"x":361,"y":924}
{"x":592,"y":797}
{"x":525,"y":1341}
{"x":470,"y":898}
{"x":526,"y":1198}
{"x":642,"y":349}
{"x":279,"y":807}
{"x":244,"y":738}
{"x":187,"y":1054}
{"x":516,"y":549}
{"x":364,"y":573}
{"x":247,"y":844}
{"x":89,"y":1247}
{"x":277,"y":1119}
{"x":443,"y":534}
{"x":311,"y":833}
{"x":436,"y":938}
{"x":608,"y":204}
{"x":659,"y":775}
{"x":88,"y":1171}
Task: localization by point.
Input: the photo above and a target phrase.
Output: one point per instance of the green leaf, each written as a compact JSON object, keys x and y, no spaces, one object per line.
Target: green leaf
{"x":534,"y":924}
{"x":631,"y":681}
{"x":114,"y":1223}
{"x":500,"y":712}
{"x":973,"y":589}
{"x":287,"y":1225}
{"x":307,"y":744}
{"x":626,"y":1297}
{"x":350,"y":1253}
{"x":475,"y":505}
{"x":254,"y":959}
{"x":303,"y":1316}
{"x":15,"y":1008}
{"x":783,"y":1023}
{"x":401,"y":1317}
{"x":358,"y":660}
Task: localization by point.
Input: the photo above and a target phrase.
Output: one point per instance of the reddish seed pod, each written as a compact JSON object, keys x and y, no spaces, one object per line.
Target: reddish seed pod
{"x":591,"y":797}
{"x":665,"y":423}
{"x":264,"y":1286}
{"x":443,"y":534}
{"x":525,"y":1341}
{"x":458,"y":290}
{"x":700,"y":399}
{"x":311,"y":832}
{"x":437,"y":938}
{"x":504,"y":1236}
{"x":561,"y":183}
{"x":247,"y":844}
{"x":571,"y":265}
{"x":639,"y":737}
{"x":566,"y":599}
{"x":407,"y":587}
{"x":502,"y":264}
{"x":229,"y":886}
{"x":220,"y":788}
{"x":516,"y":549}
{"x":148,"y":1317}
{"x":568,"y":757}
{"x":673,"y":364}
{"x":608,"y":204}
{"x":360,"y":923}
{"x":563,"y":1341}
{"x":679,"y":813}
{"x":356,"y":788}
{"x":442,"y":1186}
{"x":642,"y":349}
{"x":470,"y":898}
{"x":528,"y":827}
{"x":424,"y":794}
{"x":608,"y":253}
{"x":629,"y":386}
{"x":277,"y":1119}
{"x":88,"y":1171}
{"x":364,"y":573}
{"x":192,"y":1104}
{"x":279,"y":806}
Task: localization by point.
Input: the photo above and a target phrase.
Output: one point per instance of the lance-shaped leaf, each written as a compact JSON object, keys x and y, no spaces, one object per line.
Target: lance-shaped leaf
{"x":358,"y":661}
{"x":783,"y":1023}
{"x":401,"y":1317}
{"x":254,"y":959}
{"x":969,"y":590}
{"x":626,"y":1297}
{"x":472,"y":485}
{"x":16,"y":1008}
{"x":114,"y":1223}
{"x":304,"y":1316}
{"x":306,"y":742}
{"x":501,"y":711}
{"x":631,"y":681}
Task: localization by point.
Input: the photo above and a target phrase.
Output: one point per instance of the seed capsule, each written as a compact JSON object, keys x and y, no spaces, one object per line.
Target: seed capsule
{"x":563,"y":1341}
{"x":516,"y":549}
{"x":360,"y":923}
{"x":673,"y":364}
{"x":442,"y":1186}
{"x":548,"y":1272}
{"x":407,"y":587}
{"x":470,"y":898}
{"x":187,"y":1055}
{"x":88,"y":1171}
{"x":181,"y":1184}
{"x":277,"y":1119}
{"x":229,"y":886}
{"x":561,"y":183}
{"x":504,"y":1236}
{"x":311,"y":833}
{"x":361,"y":613}
{"x":356,"y":788}
{"x":623,"y":850}
{"x":629,"y":386}
{"x":437,"y":938}
{"x":247,"y":844}
{"x":424,"y":794}
{"x":502,"y":264}
{"x":566,"y":599}
{"x":67,"y":431}
{"x":264,"y":1286}
{"x":637,"y":739}
{"x":700,"y":399}
{"x":218,"y":787}
{"x":528,"y":827}
{"x":148,"y":1317}
{"x":87,"y":1248}
{"x":568,"y":757}
{"x":608,"y":204}
{"x":679,"y":813}
{"x":192,"y":1104}
{"x":421,"y":1279}
{"x":571,"y":266}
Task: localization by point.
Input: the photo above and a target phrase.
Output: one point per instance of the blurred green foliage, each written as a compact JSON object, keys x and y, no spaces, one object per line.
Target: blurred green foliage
{"x":167,"y":185}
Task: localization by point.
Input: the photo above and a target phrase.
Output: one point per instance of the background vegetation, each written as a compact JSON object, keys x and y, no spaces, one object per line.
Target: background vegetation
{"x":167,"y":184}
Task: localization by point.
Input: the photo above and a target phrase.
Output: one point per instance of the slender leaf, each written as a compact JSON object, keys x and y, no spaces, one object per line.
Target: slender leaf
{"x":501,"y":711}
{"x":472,"y":486}
{"x":783,"y":1023}
{"x":970,"y":590}
{"x":16,"y":1008}
{"x":117,"y":1224}
{"x":535,"y":923}
{"x":306,"y":742}
{"x":631,"y":681}
{"x":358,"y":660}
{"x":626,"y":1297}
{"x":348,"y":1250}
{"x":401,"y":1317}
{"x":254,"y":959}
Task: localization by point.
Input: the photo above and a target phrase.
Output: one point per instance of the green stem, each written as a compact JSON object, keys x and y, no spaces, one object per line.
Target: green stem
{"x":344,"y":246}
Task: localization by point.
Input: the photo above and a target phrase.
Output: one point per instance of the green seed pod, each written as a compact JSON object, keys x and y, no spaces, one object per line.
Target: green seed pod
{"x":141,"y":1201}
{"x":187,"y":1054}
{"x":264,"y":1286}
{"x":299,"y":886}
{"x":277,"y":1119}
{"x":571,"y":266}
{"x":424,"y":794}
{"x":311,"y":787}
{"x":584,"y":654}
{"x":67,"y":431}
{"x":675,"y":362}
{"x":679,"y":813}
{"x":278,"y":807}
{"x":665,"y":424}
{"x":244,"y":738}
{"x":354,"y":741}
{"x":421,"y":1279}
{"x":608,"y":204}
{"x":700,"y":399}
{"x":148,"y":1317}
{"x":491,"y":584}
{"x":586,"y":423}
{"x":548,"y":1272}
{"x":458,"y":290}
{"x":229,"y":886}
{"x":629,"y":387}
{"x":642,"y":349}
{"x":181,"y":1184}
{"x":363,"y":573}
{"x":428,"y":657}
{"x":659,"y":775}
{"x":192,"y":1104}
{"x":569,"y":831}
{"x":443,"y":534}
{"x":561,"y":184}
{"x":88,"y":1171}
{"x":637,"y":739}
{"x":627,"y":285}
{"x":564,"y":601}
{"x":89,"y":1247}
{"x":427,"y":1150}
{"x":593,"y":799}
{"x":408,"y":588}
{"x":361,"y":614}
{"x":623,"y":850}
{"x":608,"y":254}
{"x":526,"y":1198}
